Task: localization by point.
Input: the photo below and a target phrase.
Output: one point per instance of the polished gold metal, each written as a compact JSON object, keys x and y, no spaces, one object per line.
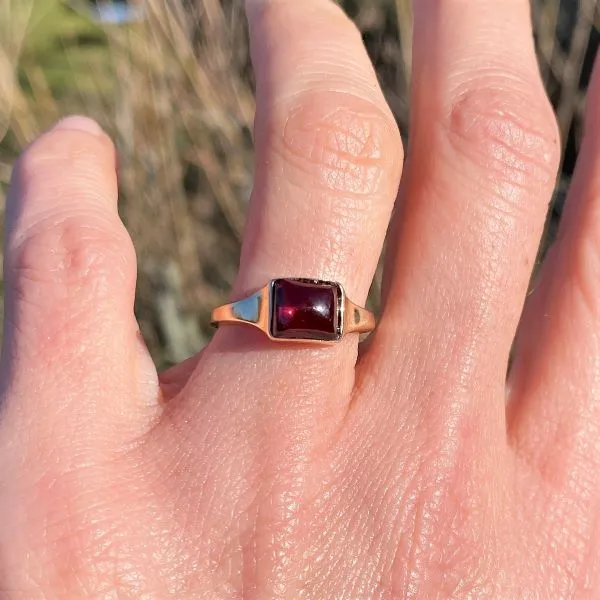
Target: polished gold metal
{"x":357,"y":319}
{"x":256,"y":310}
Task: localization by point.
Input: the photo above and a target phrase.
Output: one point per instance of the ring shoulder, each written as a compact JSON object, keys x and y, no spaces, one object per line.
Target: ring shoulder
{"x":357,"y":319}
{"x":252,"y":310}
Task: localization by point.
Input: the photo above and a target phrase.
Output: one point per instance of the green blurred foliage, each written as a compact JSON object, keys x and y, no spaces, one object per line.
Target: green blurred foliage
{"x":69,"y":48}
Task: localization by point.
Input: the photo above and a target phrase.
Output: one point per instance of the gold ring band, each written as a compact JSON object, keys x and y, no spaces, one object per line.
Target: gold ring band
{"x":298,"y":310}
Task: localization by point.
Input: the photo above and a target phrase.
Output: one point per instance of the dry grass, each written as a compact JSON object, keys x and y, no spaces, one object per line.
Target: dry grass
{"x":175,"y":91}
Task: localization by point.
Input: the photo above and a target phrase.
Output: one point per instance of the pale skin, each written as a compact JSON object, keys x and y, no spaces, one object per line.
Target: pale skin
{"x":266,"y":471}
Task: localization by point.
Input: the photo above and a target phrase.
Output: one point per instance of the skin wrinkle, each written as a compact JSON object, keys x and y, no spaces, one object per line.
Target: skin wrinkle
{"x":484,"y":126}
{"x":338,"y":169}
{"x":83,"y":262}
{"x":343,"y":149}
{"x":53,"y":219}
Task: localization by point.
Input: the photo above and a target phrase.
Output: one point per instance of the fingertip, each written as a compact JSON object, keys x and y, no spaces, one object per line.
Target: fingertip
{"x":79,"y":123}
{"x":74,"y":153}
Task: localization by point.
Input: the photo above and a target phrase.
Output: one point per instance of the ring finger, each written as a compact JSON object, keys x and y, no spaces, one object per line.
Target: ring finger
{"x":328,"y":162}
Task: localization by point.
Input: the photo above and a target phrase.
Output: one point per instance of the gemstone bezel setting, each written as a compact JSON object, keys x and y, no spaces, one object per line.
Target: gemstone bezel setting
{"x":307,"y":334}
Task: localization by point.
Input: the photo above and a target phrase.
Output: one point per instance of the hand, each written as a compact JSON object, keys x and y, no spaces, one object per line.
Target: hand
{"x":264,"y":471}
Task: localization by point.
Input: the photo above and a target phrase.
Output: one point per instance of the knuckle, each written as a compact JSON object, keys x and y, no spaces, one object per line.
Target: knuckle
{"x":70,"y":259}
{"x":509,"y":132}
{"x":341,"y":144}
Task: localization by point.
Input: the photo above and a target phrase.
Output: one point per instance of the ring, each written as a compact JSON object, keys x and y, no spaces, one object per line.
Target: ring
{"x":298,"y":310}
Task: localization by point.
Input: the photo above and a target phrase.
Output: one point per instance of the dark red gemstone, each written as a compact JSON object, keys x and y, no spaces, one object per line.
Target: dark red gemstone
{"x":305,"y":309}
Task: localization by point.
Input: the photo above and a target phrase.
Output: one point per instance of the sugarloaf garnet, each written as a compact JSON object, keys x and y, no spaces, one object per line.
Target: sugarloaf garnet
{"x":306,"y":309}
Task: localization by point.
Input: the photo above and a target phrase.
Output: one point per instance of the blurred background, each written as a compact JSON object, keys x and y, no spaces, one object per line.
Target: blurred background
{"x":171,"y":81}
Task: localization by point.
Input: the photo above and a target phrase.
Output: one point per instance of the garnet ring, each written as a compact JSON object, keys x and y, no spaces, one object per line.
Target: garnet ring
{"x":298,"y":310}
